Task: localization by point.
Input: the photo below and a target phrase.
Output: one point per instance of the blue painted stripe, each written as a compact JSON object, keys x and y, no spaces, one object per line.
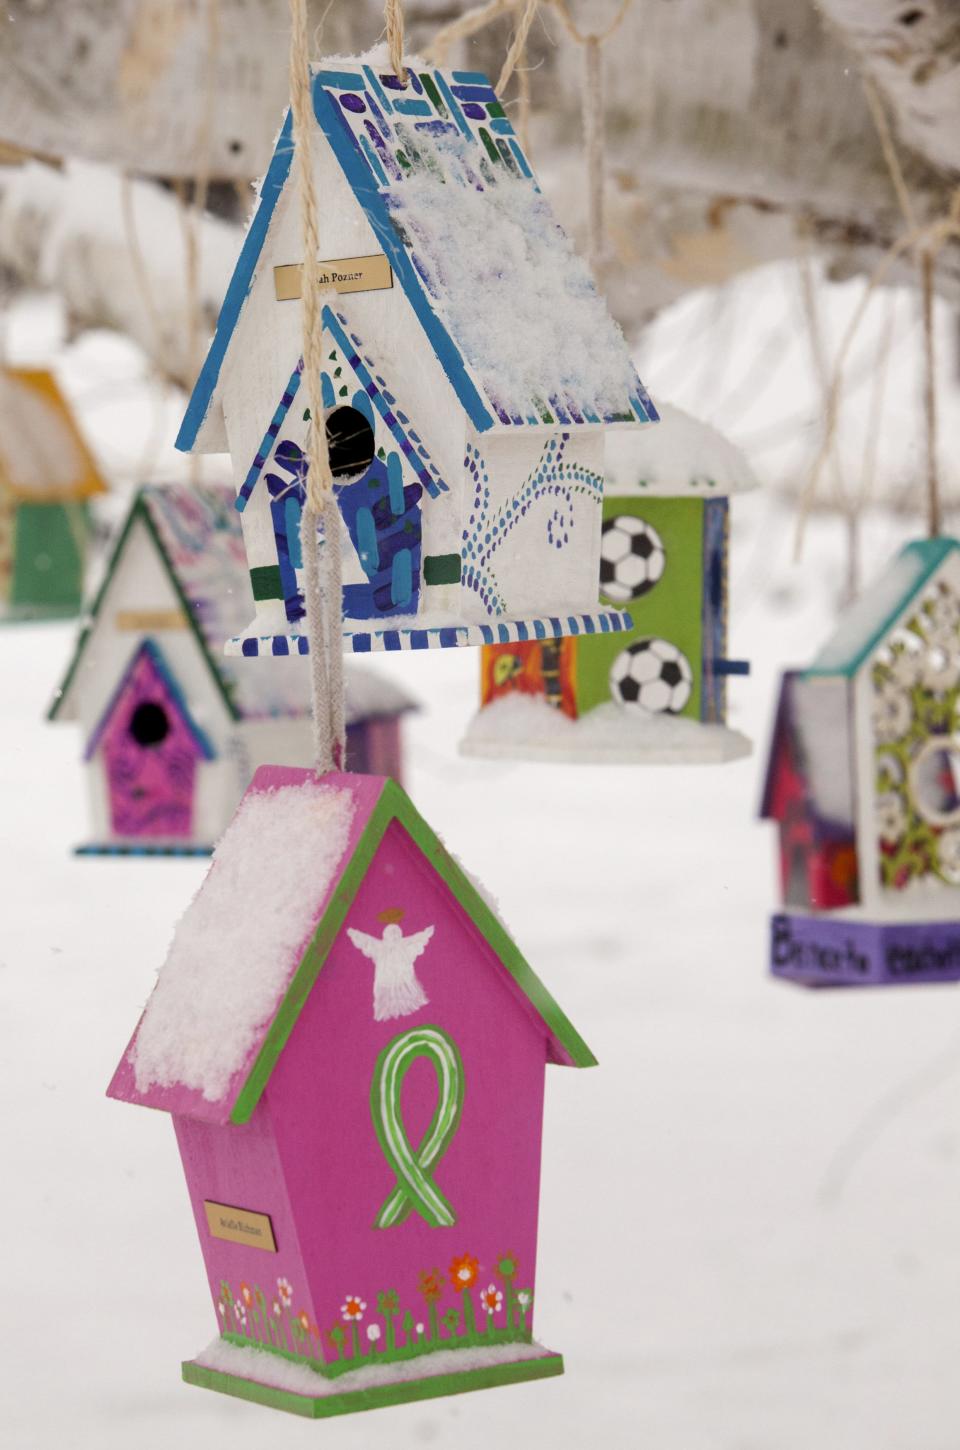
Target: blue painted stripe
{"x":419,"y":639}
{"x":344,"y":80}
{"x":338,"y":133}
{"x":449,"y":638}
{"x":521,"y":159}
{"x":239,"y":288}
{"x":269,"y":438}
{"x":501,"y":125}
{"x":471,"y":78}
{"x":413,"y":108}
{"x":250,"y":647}
{"x":538,"y":629}
{"x":361,"y":644}
{"x":590,"y":625}
{"x":730,"y":667}
{"x":391,"y":639}
{"x":377,"y":89}
{"x":374,"y":161}
{"x":453,"y":105}
{"x":467,"y":91}
{"x":522,"y":633}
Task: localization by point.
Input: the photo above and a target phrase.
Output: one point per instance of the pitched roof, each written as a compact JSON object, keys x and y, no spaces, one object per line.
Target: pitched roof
{"x":186,"y":1013}
{"x":43,"y":456}
{"x":683,"y":457}
{"x":510,"y":310}
{"x":199,"y":539}
{"x":864,"y":626}
{"x":150,"y":652}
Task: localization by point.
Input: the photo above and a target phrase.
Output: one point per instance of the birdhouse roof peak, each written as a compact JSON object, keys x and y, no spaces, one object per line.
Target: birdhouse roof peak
{"x":247,"y":952}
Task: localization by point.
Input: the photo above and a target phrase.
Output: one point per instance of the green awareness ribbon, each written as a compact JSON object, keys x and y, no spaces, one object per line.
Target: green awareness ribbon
{"x":415,"y":1189}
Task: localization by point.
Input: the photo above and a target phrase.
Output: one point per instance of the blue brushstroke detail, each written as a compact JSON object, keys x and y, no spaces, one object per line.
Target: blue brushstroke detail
{"x":391,"y":639}
{"x":419,"y":639}
{"x":361,"y":402}
{"x":731,"y":667}
{"x":378,"y":90}
{"x":448,"y":638}
{"x":453,"y":105}
{"x":395,"y":481}
{"x":374,"y":161}
{"x":379,"y":532}
{"x":344,"y":80}
{"x":401,"y":583}
{"x":468,"y":92}
{"x":472,"y":78}
{"x":361,"y":644}
{"x":326,"y":391}
{"x":413,"y":108}
{"x":501,"y":125}
{"x":521,"y":159}
{"x":539,"y":629}
{"x":238,"y":289}
{"x":249,"y":647}
{"x":366,"y":534}
{"x":281,"y":646}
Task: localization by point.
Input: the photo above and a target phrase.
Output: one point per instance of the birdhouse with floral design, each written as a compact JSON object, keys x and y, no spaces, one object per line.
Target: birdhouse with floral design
{"x":352,"y":1050}
{"x":471,"y":375}
{"x":863,"y":782}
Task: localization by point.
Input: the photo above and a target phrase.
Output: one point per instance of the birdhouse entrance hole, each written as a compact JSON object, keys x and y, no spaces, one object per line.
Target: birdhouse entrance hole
{"x":149,"y":724}
{"x":351,"y":443}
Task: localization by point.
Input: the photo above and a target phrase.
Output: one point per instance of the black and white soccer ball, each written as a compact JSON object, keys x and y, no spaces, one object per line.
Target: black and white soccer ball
{"x":632,"y":558}
{"x":652,"y":676}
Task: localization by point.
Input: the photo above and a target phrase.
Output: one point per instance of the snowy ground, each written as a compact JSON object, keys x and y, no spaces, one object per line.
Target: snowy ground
{"x":749,"y":1210}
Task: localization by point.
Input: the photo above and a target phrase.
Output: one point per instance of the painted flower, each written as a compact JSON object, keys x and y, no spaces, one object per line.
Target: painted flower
{"x":431,"y":1284}
{"x":451,"y":1320}
{"x":523,"y":1298}
{"x":891,"y":713}
{"x":491,"y":1299}
{"x":891,"y":817}
{"x":948,"y":855}
{"x":304,"y":1320}
{"x":907,"y":664}
{"x":939,"y":669}
{"x":352,"y":1307}
{"x":276,"y":1309}
{"x":223,"y":1308}
{"x":245,"y":1294}
{"x":463,"y":1272}
{"x":373,"y":1333}
{"x":507,"y":1266}
{"x":419,"y":1328}
{"x":285,"y":1292}
{"x":388,"y":1302}
{"x":943,"y":616}
{"x":240,"y":1313}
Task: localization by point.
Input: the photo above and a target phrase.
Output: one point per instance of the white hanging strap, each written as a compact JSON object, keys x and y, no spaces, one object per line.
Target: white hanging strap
{"x":322,"y":567}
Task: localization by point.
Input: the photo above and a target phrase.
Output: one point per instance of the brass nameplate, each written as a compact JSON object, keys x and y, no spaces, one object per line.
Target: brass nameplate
{"x":238,"y":1226}
{"x":151,"y":619}
{"x":348,"y":274}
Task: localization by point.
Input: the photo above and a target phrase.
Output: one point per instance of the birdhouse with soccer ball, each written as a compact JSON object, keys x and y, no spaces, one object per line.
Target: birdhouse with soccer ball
{"x":352,"y":1050}
{"x":863,"y":781}
{"x":471,"y":374}
{"x":656,"y":693}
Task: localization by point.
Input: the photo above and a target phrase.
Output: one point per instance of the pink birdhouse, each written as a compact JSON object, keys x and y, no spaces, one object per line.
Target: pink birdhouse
{"x":352,"y":1050}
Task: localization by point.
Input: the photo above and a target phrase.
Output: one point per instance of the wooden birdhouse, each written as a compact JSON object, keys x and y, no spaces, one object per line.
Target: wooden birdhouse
{"x":657,"y":692}
{"x":471,"y":375}
{"x":47,"y":475}
{"x":352,"y":1050}
{"x":172,"y":730}
{"x":863,"y":781}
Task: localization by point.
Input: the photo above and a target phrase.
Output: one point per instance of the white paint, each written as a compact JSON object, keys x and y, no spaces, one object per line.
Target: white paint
{"x":397,"y":990}
{"x":682,"y":457}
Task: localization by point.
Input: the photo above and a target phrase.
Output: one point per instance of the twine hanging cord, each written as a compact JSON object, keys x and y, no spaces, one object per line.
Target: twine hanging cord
{"x":323,"y":588}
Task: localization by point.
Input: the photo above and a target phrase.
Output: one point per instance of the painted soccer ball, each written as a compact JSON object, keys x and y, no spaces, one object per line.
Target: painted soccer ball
{"x":632,"y":558}
{"x":652,"y":676}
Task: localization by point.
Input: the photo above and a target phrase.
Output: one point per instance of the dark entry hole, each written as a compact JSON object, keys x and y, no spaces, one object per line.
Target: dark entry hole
{"x":149,"y":723}
{"x":351,"y":443}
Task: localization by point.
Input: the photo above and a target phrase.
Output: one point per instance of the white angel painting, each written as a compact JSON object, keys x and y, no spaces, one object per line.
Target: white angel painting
{"x":396,"y":988}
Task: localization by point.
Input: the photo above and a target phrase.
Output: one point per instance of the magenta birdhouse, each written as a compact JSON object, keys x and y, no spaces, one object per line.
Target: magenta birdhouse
{"x":353,"y":1050}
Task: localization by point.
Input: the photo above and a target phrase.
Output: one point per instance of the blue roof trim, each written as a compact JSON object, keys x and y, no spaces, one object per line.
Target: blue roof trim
{"x":239,"y":288}
{"x":356,"y":170}
{"x":929,"y":554}
{"x":148,"y":647}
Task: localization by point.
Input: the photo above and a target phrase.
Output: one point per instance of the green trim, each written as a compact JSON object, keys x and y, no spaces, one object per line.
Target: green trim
{"x":266,"y":582}
{"x":441,"y":569}
{"x":930,"y":554}
{"x":394,"y":804}
{"x":138,"y":511}
{"x":346,"y":1402}
{"x":414,"y":1188}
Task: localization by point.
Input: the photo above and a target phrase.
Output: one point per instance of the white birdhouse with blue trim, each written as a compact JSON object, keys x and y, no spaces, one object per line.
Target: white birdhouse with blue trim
{"x":471,"y":372}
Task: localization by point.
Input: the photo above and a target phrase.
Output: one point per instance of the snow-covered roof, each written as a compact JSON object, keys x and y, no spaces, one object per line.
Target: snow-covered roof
{"x":508,"y":307}
{"x":43,"y":456}
{"x":199,"y":534}
{"x":248,"y":950}
{"x":864,"y":626}
{"x":682,"y":456}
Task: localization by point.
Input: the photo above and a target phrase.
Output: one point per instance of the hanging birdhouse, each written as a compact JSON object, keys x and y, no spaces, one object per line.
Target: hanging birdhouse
{"x":172,"y":730}
{"x":47,"y":475}
{"x":352,"y":1050}
{"x":471,"y":375}
{"x":656,"y":693}
{"x":863,"y":781}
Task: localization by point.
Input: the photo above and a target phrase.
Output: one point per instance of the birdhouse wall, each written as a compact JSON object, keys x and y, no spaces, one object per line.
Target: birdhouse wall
{"x":329,"y":1125}
{"x":49,"y":550}
{"x":531,"y":525}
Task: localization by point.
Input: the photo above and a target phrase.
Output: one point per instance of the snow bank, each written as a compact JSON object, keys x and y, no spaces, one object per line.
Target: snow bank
{"x":682,"y":455}
{"x":525,"y":727}
{"x":236,"y":947}
{"x":284,"y":1374}
{"x":516,"y":297}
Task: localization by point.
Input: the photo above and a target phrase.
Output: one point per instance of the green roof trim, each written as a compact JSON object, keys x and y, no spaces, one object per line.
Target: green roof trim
{"x":141,"y":512}
{"x":393,"y":804}
{"x":865,"y":626}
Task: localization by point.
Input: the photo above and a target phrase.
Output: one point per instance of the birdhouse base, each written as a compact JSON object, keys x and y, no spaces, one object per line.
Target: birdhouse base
{"x":844,"y":951}
{"x":146,"y":848}
{"x":364,"y":1389}
{"x":417,"y":632}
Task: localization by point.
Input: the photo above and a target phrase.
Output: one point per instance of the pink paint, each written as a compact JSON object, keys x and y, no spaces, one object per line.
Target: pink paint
{"x":310,"y":1156}
{"x":150,"y":749}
